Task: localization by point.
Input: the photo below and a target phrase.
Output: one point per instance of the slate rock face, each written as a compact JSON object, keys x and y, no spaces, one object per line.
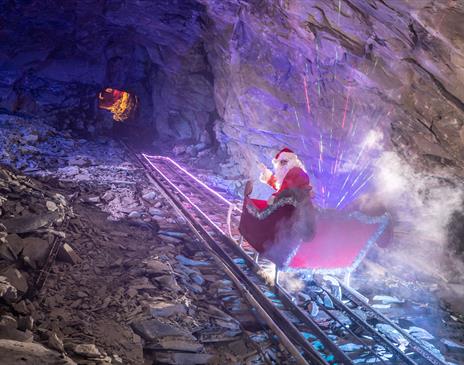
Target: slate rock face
{"x":256,"y":75}
{"x":359,"y":61}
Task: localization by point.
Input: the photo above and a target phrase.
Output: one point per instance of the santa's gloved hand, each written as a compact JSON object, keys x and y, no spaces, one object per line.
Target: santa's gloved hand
{"x":262,"y":167}
{"x":265,"y":174}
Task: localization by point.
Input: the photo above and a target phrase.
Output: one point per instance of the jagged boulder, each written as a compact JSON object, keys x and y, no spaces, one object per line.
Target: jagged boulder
{"x":14,"y":352}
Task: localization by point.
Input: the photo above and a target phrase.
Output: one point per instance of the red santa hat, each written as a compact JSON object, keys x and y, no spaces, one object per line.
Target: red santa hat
{"x":284,"y":154}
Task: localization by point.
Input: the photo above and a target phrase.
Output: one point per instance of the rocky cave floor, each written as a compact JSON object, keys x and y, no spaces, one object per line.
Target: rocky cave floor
{"x":130,"y":285}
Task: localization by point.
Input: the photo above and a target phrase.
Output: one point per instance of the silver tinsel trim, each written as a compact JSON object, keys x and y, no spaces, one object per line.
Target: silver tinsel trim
{"x":271,"y":208}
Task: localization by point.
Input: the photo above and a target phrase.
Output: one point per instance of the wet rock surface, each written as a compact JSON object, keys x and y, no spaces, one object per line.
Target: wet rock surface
{"x":164,"y":65}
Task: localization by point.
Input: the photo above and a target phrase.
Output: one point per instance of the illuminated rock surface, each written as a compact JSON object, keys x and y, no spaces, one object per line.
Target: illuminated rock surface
{"x":244,"y":69}
{"x":360,"y":89}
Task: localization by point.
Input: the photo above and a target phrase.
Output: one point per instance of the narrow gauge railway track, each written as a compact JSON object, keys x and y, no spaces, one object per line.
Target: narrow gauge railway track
{"x":307,"y":340}
{"x":217,"y":243}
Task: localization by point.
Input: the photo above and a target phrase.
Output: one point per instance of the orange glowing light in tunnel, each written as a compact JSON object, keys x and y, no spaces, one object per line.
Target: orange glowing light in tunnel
{"x":119,"y":103}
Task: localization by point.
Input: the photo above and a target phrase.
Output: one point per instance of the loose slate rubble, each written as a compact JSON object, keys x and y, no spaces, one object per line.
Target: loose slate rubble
{"x":15,"y":352}
{"x":128,"y":284}
{"x":412,"y":302}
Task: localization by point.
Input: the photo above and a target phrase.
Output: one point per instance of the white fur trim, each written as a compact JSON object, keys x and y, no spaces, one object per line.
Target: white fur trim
{"x":291,"y":157}
{"x":265,"y":176}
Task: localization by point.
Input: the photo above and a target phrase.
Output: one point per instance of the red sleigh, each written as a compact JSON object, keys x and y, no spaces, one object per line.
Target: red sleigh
{"x":337,"y":243}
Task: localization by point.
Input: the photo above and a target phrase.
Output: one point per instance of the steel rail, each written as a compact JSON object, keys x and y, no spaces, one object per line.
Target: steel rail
{"x":42,"y":275}
{"x":366,"y":326}
{"x":188,"y":179}
{"x":227,"y":211}
{"x":347,"y":328}
{"x":217,"y":259}
{"x":57,"y":243}
{"x":196,"y":188}
{"x":277,"y":315}
{"x":191,"y":176}
{"x":287,"y":301}
{"x":413,"y":343}
{"x":174,"y":167}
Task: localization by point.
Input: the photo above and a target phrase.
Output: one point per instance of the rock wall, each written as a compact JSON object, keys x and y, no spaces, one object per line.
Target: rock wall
{"x":367,"y":92}
{"x":287,"y":71}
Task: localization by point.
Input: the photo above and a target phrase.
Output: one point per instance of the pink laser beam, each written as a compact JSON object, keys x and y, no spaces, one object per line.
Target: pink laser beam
{"x":308,"y":105}
{"x":346,"y":108}
{"x":357,"y":190}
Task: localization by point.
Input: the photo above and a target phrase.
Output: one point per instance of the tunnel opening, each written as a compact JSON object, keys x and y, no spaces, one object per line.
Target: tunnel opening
{"x":121,"y":104}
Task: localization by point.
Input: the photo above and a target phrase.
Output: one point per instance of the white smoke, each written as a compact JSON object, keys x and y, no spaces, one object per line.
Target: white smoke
{"x":422,"y":206}
{"x":372,"y":142}
{"x":373,"y":139}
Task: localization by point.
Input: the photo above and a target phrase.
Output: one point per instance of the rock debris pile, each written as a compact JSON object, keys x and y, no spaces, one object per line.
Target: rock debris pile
{"x":31,"y":217}
{"x":129,"y":285}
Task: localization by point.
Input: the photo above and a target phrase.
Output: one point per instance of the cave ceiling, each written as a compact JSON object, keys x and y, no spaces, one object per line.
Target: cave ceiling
{"x":316,"y":76}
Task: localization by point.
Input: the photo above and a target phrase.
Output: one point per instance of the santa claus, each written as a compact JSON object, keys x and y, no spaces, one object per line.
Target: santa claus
{"x":277,"y":226}
{"x":290,"y":232}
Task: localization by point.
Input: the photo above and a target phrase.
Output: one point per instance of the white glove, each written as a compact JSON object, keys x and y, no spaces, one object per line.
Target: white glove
{"x":262,"y":167}
{"x":265,"y":174}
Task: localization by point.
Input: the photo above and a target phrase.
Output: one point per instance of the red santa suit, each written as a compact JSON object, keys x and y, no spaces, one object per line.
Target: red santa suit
{"x":275,"y":230}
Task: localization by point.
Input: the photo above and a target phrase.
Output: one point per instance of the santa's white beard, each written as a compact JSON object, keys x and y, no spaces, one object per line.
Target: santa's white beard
{"x":281,"y":171}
